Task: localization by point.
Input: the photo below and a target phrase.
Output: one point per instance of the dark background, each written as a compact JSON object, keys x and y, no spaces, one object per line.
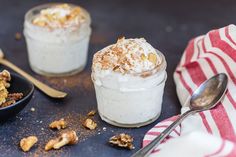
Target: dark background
{"x":167,"y":25}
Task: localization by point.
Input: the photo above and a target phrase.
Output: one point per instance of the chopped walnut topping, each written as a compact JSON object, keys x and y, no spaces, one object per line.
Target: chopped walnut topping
{"x":91,"y":113}
{"x":67,"y":138}
{"x":59,"y":124}
{"x":60,"y":16}
{"x":143,"y":57}
{"x":90,"y":124}
{"x":152,"y":58}
{"x":122,"y":140}
{"x":127,"y":56}
{"x":28,"y":142}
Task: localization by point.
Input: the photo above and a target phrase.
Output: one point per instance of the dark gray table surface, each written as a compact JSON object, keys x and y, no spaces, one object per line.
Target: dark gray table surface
{"x":167,"y":25}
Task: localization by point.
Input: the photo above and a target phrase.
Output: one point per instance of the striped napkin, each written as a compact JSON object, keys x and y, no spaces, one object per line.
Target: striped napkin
{"x":209,"y":133}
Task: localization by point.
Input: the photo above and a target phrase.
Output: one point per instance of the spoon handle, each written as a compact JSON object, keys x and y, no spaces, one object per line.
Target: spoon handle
{"x":145,"y":151}
{"x":43,"y":87}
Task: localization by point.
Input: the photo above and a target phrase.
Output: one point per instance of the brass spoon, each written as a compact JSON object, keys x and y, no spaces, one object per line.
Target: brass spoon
{"x":205,"y":97}
{"x":41,"y":86}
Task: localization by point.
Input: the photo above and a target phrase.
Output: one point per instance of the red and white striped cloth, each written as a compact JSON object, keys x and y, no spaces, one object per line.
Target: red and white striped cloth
{"x":209,"y":133}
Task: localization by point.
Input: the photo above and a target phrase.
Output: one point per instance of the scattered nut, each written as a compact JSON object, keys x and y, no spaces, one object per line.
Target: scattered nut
{"x":91,"y":113}
{"x":60,"y":124}
{"x":27,"y":143}
{"x":90,"y":124}
{"x":51,"y":143}
{"x":18,"y":36}
{"x":68,"y":137}
{"x":122,"y":140}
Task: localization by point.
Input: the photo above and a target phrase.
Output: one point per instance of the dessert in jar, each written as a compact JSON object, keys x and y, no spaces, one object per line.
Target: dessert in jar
{"x":129,"y":78}
{"x":57,"y":37}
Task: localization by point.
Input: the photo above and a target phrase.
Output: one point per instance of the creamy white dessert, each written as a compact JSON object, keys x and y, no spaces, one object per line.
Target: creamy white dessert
{"x":57,"y":37}
{"x":129,"y":78}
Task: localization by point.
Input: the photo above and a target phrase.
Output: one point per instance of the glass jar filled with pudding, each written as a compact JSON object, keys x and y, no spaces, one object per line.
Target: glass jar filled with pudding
{"x":57,"y":37}
{"x":129,"y":78}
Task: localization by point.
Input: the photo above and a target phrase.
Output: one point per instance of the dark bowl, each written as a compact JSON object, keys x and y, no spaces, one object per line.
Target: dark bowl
{"x":18,"y":84}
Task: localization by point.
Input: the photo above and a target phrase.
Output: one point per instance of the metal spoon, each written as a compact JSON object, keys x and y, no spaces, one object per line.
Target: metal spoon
{"x":43,"y":87}
{"x":205,"y":97}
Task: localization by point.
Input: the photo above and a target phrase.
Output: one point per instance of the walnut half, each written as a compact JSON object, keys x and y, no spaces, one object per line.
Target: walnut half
{"x":28,"y":142}
{"x":58,"y":124}
{"x":122,"y":140}
{"x":66,"y":138}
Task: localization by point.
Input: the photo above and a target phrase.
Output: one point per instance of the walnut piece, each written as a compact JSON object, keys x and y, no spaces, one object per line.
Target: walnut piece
{"x":3,"y":94}
{"x":58,"y":124}
{"x":51,"y":143}
{"x":11,"y":99}
{"x":122,"y":140}
{"x":152,"y":58}
{"x":8,"y":103}
{"x":91,"y":113}
{"x":15,"y":96}
{"x":4,"y":78}
{"x":28,"y":142}
{"x":90,"y":124}
{"x":66,"y":138}
{"x":5,"y":75}
{"x":7,"y":99}
{"x":18,"y":36}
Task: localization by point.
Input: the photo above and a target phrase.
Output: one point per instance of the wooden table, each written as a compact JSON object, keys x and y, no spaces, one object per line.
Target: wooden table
{"x":167,"y":25}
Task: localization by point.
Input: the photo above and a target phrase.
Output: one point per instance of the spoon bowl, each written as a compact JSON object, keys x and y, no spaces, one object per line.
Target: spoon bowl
{"x":205,"y":97}
{"x":209,"y":93}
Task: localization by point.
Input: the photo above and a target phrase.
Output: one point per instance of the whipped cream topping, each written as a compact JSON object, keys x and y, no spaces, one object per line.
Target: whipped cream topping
{"x":60,"y":16}
{"x":127,"y":56}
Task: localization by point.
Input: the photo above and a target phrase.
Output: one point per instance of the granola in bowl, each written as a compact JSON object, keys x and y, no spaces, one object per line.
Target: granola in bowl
{"x":6,"y":98}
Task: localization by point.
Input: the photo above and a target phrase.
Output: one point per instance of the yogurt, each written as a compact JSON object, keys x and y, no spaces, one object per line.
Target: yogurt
{"x":129,"y":78}
{"x":57,"y":37}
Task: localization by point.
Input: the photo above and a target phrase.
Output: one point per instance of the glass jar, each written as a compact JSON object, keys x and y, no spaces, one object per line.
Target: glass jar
{"x":135,"y":101}
{"x":59,"y":51}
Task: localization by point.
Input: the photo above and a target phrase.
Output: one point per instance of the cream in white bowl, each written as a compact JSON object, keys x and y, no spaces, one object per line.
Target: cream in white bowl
{"x":57,"y":37}
{"x":129,"y":78}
